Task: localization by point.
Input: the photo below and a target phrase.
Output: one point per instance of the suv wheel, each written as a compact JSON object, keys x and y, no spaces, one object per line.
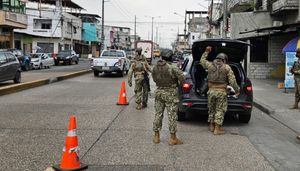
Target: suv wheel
{"x":96,"y":73}
{"x":76,"y":62}
{"x":17,"y":78}
{"x":245,"y":117}
{"x":181,"y":116}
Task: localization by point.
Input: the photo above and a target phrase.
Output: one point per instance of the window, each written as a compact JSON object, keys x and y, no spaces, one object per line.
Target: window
{"x":10,"y":57}
{"x":42,"y":23}
{"x":259,"y":52}
{"x":2,"y":58}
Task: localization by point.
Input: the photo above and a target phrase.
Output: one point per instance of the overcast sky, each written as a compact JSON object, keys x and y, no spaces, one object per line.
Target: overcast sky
{"x":122,"y":12}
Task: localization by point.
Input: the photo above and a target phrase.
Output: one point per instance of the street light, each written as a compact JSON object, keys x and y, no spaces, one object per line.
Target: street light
{"x":152,"y":24}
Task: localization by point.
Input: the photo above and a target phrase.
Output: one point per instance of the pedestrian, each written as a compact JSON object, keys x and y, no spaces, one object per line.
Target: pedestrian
{"x":220,"y":75}
{"x":139,"y":68}
{"x":167,"y":79}
{"x":296,"y":71}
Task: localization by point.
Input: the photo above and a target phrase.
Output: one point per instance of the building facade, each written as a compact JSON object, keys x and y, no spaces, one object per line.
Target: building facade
{"x":12,"y":16}
{"x":266,"y":24}
{"x":49,"y":31}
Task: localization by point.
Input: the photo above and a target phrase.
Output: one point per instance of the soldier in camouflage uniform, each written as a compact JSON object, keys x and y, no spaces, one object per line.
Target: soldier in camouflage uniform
{"x":167,"y":79}
{"x":296,"y":71}
{"x":139,"y":68}
{"x":219,"y":76}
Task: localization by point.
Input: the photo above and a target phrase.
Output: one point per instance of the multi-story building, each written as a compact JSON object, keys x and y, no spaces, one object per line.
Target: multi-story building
{"x":91,"y":34}
{"x":268,"y":25}
{"x":12,"y":16}
{"x":49,"y":31}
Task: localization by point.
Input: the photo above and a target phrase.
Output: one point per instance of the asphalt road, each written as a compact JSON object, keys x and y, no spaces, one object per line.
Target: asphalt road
{"x":33,"y":128}
{"x":54,"y":71}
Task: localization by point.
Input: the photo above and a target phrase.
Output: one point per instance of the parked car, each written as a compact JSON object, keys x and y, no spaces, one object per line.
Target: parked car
{"x":67,"y":57}
{"x":41,"y":60}
{"x":9,"y":67}
{"x":111,"y":61}
{"x":23,"y":59}
{"x":193,"y":93}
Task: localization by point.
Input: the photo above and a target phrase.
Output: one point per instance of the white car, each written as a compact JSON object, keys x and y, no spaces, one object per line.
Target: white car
{"x":111,"y":61}
{"x":41,"y":60}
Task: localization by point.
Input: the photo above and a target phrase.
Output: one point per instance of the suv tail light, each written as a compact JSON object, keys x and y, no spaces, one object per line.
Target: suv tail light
{"x":186,"y":87}
{"x":248,"y":89}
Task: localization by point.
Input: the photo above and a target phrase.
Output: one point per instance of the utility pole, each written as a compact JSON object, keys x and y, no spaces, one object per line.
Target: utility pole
{"x":224,"y":26}
{"x":61,"y":24}
{"x":152,"y":30}
{"x":156,"y":35}
{"x":134,"y":30}
{"x":71,"y":34}
{"x":102,"y":31}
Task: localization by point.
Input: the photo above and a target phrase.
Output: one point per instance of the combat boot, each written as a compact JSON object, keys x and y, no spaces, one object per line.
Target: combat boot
{"x":218,"y":130}
{"x":156,"y":138}
{"x":174,"y":140}
{"x":139,"y":106}
{"x":144,"y":105}
{"x":295,"y":106}
{"x":211,"y":126}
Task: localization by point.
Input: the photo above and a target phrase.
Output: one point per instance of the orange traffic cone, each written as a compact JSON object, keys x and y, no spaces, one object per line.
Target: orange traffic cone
{"x":70,"y":158}
{"x":122,"y":97}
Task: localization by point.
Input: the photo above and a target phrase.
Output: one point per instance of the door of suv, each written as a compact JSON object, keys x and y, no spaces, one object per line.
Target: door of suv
{"x":12,"y":65}
{"x":3,"y":67}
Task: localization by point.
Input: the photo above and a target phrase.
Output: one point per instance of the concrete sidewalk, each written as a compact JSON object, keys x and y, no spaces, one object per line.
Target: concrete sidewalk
{"x":276,"y":102}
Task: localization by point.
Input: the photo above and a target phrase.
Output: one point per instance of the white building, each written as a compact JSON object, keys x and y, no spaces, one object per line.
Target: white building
{"x":44,"y":31}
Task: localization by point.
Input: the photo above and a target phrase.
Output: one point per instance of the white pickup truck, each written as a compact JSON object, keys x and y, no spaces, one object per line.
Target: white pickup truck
{"x":111,"y":61}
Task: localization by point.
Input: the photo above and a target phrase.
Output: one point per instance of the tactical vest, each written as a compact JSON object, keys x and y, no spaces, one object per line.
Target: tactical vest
{"x":217,"y":73}
{"x":139,"y":66}
{"x":164,"y":76}
{"x":296,"y":67}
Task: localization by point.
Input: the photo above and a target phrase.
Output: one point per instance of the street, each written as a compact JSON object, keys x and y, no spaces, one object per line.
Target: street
{"x":34,"y":122}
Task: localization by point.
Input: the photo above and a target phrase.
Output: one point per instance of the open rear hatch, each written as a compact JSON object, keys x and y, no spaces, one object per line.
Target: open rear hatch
{"x":236,"y":50}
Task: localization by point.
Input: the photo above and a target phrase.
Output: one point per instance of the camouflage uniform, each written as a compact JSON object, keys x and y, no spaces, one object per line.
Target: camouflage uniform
{"x":296,"y":71}
{"x":167,"y":79}
{"x":139,"y":67}
{"x":217,"y":96}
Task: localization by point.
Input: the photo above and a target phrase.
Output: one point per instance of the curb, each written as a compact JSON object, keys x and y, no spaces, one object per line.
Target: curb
{"x":263,"y":107}
{"x":32,"y":84}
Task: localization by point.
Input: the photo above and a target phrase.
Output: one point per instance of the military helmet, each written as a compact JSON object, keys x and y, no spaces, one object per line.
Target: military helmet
{"x":222,"y":56}
{"x":167,"y":54}
{"x":138,"y":49}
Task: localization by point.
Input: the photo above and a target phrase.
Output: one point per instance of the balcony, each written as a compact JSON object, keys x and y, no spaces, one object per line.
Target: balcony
{"x":240,"y":5}
{"x":11,"y":19}
{"x":284,"y":5}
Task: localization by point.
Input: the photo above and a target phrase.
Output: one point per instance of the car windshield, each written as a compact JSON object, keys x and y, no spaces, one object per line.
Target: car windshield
{"x":65,"y":52}
{"x":113,"y":54}
{"x":35,"y":55}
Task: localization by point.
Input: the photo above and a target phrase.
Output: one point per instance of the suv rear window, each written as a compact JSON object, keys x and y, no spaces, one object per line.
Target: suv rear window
{"x":113,"y":54}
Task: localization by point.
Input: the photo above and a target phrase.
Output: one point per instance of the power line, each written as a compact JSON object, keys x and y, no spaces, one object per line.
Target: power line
{"x":120,"y":10}
{"x":124,"y":7}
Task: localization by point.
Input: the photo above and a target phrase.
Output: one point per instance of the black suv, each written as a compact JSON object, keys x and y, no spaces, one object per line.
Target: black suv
{"x":9,"y":67}
{"x":193,"y":93}
{"x":66,"y":57}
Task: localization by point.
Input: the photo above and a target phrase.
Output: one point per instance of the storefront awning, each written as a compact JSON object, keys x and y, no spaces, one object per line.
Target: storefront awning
{"x":292,"y":45}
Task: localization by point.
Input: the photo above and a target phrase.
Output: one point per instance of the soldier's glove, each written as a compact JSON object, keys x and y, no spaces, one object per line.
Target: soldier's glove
{"x":129,"y":83}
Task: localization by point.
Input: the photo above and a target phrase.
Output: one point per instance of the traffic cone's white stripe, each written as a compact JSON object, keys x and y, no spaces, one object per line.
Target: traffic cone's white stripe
{"x":124,"y":95}
{"x":72,"y":133}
